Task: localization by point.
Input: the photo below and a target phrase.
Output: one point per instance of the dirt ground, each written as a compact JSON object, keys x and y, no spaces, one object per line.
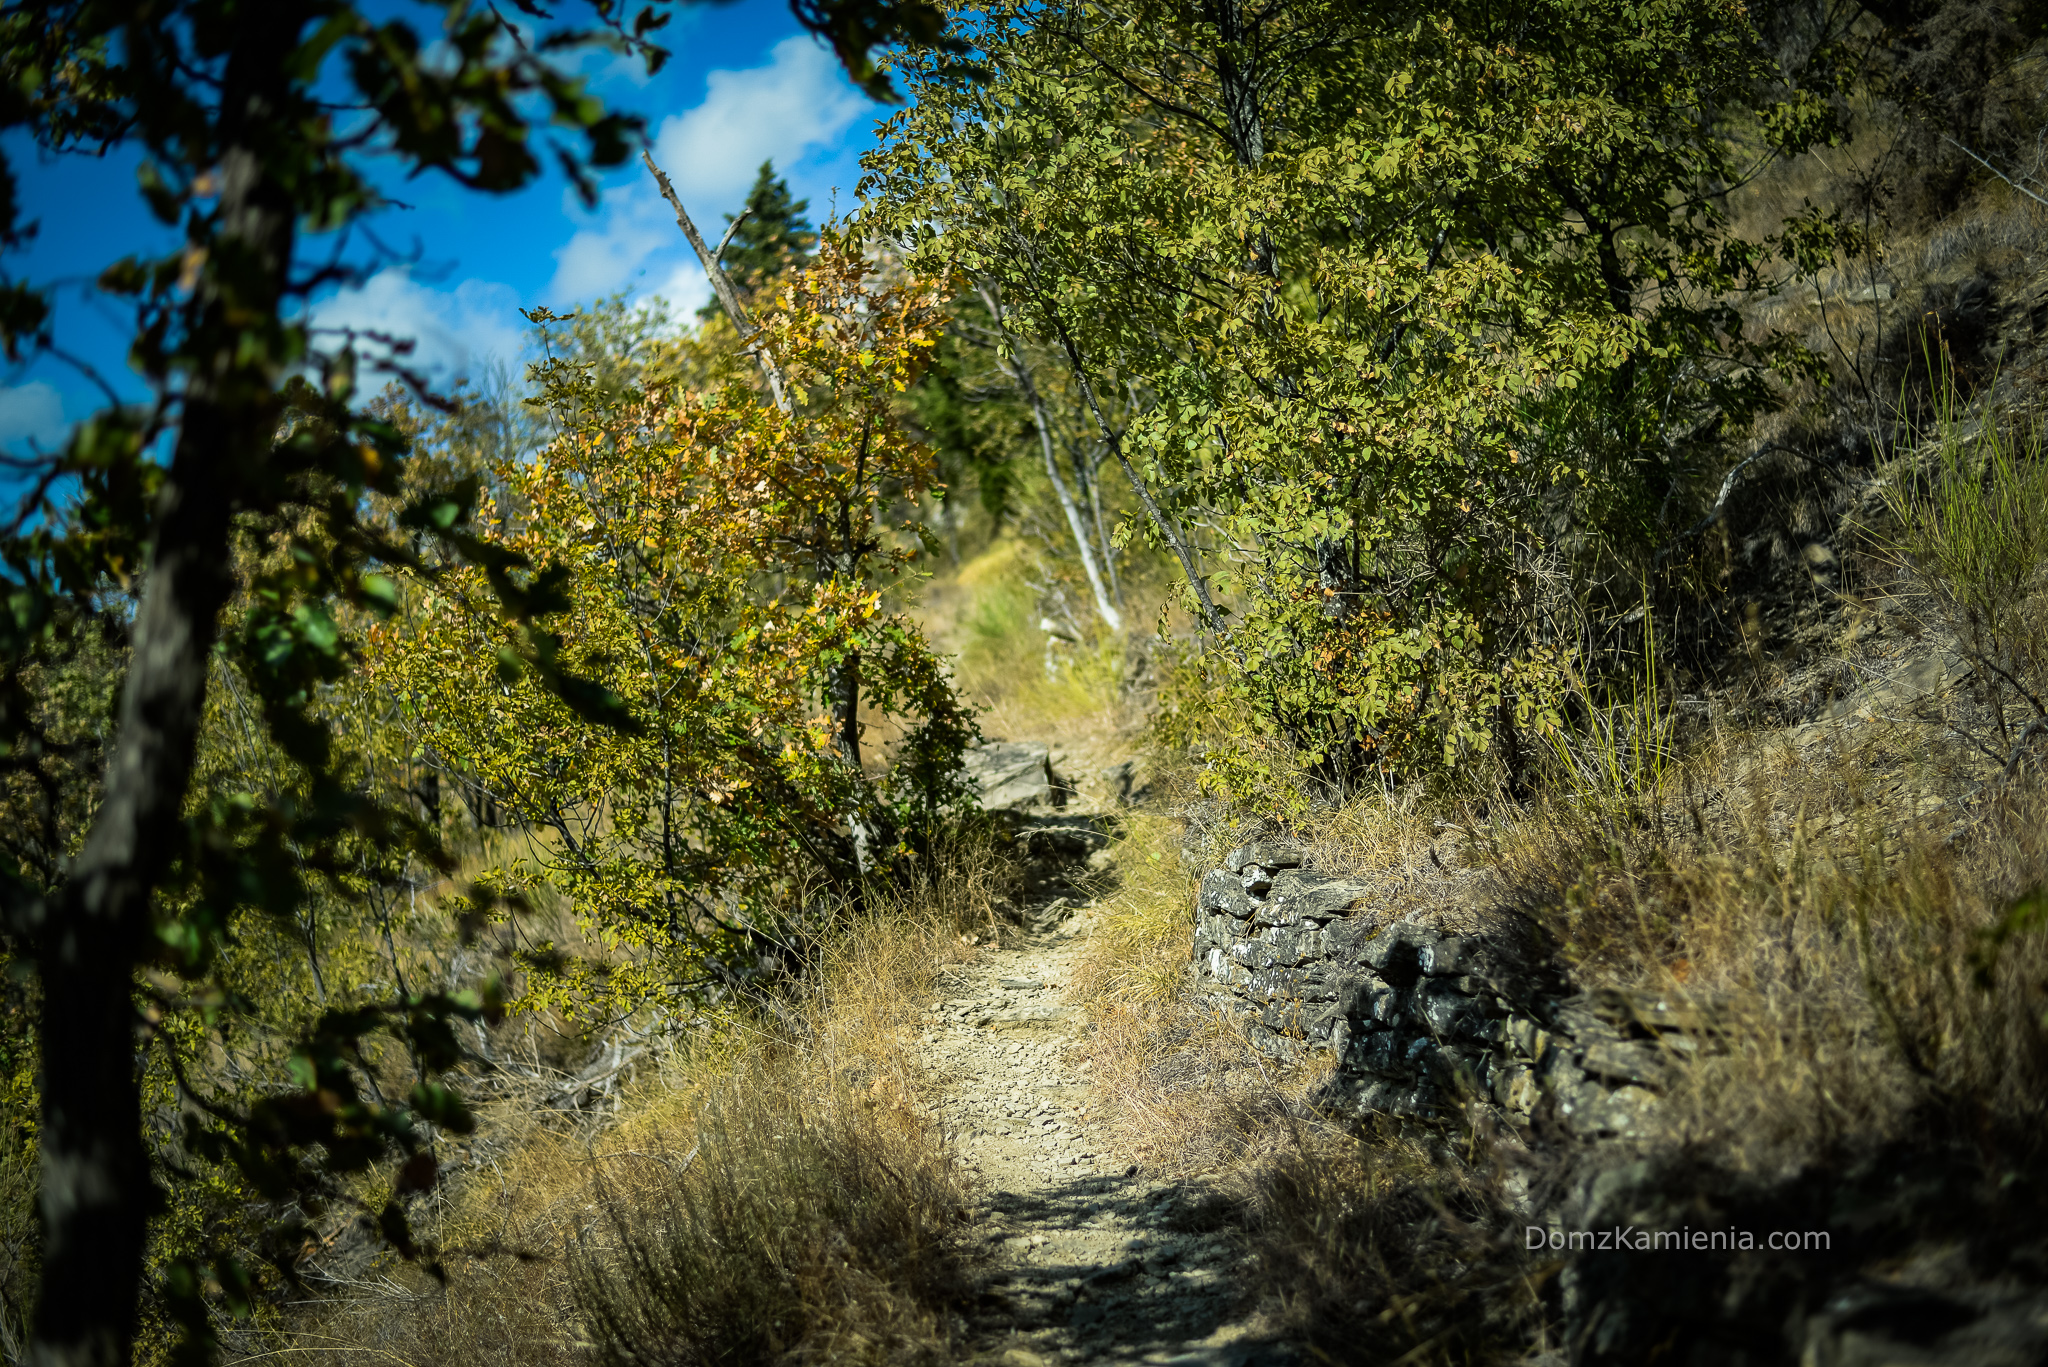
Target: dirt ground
{"x":1095,"y":1261}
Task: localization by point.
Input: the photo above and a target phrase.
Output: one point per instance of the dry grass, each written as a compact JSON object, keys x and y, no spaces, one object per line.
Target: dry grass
{"x":1070,"y":687}
{"x":1138,"y":952}
{"x":769,"y":1191}
{"x":1391,"y":1247}
{"x":1376,"y":1246}
{"x":1833,"y":897}
{"x":1184,"y":1090}
{"x":1832,"y":909}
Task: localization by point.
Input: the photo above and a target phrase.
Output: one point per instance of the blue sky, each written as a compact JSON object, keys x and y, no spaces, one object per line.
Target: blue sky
{"x":744,"y":84}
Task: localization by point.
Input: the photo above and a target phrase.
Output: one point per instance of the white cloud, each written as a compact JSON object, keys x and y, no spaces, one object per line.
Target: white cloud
{"x":32,"y":412}
{"x":604,"y":258}
{"x":792,"y":110}
{"x":456,"y":332}
{"x":797,"y":102}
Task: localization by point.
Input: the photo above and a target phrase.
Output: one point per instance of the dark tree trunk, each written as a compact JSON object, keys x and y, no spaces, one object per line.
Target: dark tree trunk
{"x":844,"y":689}
{"x":96,"y":1194}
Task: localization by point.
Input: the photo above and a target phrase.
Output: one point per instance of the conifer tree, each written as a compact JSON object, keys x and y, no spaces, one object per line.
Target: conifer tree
{"x":125,"y":537}
{"x":773,"y":236}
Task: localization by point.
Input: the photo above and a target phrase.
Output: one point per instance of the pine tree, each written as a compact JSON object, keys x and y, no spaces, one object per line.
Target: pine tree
{"x":775,"y":236}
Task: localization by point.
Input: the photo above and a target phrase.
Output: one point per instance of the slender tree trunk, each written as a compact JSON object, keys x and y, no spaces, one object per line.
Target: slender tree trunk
{"x":1091,"y":478}
{"x":96,"y":1195}
{"x":1020,"y":373}
{"x":1182,"y":551}
{"x":1237,"y":75}
{"x":1082,"y":543}
{"x":844,"y":689}
{"x":721,"y":284}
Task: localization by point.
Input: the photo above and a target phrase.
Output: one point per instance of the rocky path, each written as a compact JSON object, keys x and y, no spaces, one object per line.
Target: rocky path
{"x":1095,"y":1261}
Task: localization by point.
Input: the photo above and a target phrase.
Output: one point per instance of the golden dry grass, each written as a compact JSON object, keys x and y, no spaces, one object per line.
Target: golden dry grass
{"x":771,"y":1191}
{"x":1357,"y":1237}
{"x":1831,"y":897}
{"x":1833,"y":907}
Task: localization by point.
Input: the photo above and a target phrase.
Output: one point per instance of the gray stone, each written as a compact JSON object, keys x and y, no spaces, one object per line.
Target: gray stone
{"x":1269,"y":854}
{"x":1447,"y":1011}
{"x":1528,"y":1038}
{"x":1624,"y":1111}
{"x":1396,"y":952}
{"x":1443,"y":958}
{"x":1008,"y":776}
{"x":1221,"y":892}
{"x":1514,"y":1087}
{"x":1128,"y":783}
{"x":1313,"y":896}
{"x":1386,"y":1053}
{"x":1624,"y":1061}
{"x":1422,"y":1022}
{"x":1346,"y":939}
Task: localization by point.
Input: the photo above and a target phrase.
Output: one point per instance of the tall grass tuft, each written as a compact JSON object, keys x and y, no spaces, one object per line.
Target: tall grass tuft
{"x":1613,"y":764}
{"x":1030,"y":681}
{"x":772,"y":1188}
{"x":799,"y":1226}
{"x":1375,"y":1247}
{"x":1972,"y":523}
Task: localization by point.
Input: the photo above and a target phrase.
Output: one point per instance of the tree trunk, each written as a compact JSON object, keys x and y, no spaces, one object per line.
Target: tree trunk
{"x":1182,"y":551}
{"x":843,"y":688}
{"x":1337,"y":576}
{"x":1074,"y":523}
{"x":1091,"y":477}
{"x":721,"y":285}
{"x":1020,"y":372}
{"x":96,"y":1195}
{"x":1082,"y":543}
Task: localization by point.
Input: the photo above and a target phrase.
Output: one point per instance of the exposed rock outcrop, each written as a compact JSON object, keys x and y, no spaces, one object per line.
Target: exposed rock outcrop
{"x":1014,"y":776}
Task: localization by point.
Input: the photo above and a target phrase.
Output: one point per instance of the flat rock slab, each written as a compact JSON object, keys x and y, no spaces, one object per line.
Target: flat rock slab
{"x":1013,"y":776}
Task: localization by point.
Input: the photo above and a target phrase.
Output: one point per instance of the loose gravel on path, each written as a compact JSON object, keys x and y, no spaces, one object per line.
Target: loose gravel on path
{"x":1095,"y":1261}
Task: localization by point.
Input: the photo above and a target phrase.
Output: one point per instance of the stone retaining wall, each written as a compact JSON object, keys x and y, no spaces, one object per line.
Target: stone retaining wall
{"x":1424,"y":1020}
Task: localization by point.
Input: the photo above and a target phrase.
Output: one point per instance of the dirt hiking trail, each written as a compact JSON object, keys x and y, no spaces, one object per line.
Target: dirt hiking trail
{"x":1093,"y":1260}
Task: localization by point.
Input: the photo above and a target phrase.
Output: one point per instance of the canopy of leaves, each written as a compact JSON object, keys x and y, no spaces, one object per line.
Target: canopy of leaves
{"x":1419,"y":297}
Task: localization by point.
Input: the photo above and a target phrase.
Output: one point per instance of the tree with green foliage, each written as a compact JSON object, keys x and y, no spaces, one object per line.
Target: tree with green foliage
{"x":767,"y":239}
{"x":1429,"y":306}
{"x":994,"y":395}
{"x":128,"y":905}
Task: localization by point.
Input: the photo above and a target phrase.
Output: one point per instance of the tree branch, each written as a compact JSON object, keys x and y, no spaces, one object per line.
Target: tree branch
{"x":721,"y":283}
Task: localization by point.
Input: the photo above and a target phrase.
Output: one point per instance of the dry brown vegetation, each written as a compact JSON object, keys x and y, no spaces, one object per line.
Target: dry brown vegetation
{"x":1400,"y":1236}
{"x":769,"y":1190}
{"x":1846,"y":899}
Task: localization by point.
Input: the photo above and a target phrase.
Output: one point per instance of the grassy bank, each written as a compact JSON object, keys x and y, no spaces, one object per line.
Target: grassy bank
{"x":767,"y":1188}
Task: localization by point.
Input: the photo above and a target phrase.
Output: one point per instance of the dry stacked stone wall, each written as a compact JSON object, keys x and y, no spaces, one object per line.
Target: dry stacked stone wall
{"x":1426,"y":1018}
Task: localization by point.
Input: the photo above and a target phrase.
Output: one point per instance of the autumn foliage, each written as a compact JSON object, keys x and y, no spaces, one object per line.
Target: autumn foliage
{"x":723,"y":567}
